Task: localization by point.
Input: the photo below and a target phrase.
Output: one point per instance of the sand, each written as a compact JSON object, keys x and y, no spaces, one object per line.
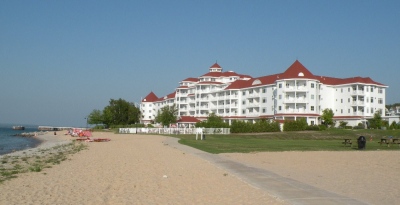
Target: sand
{"x":141,"y":169}
{"x":131,"y":169}
{"x":369,"y":176}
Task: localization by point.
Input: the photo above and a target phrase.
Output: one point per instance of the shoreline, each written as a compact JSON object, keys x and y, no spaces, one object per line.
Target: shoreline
{"x":46,"y":140}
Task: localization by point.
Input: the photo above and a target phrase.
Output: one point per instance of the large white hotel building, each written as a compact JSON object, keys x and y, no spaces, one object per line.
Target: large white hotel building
{"x":295,"y":93}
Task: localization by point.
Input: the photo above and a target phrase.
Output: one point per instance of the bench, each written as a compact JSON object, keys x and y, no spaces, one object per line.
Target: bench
{"x":347,"y":141}
{"x":388,"y":142}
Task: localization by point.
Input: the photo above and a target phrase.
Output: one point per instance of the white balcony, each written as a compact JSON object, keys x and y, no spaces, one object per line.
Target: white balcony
{"x":358,"y":103}
{"x":358,"y":92}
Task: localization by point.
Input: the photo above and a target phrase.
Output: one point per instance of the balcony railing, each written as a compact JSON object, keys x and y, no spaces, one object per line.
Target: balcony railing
{"x":358,"y":92}
{"x":358,"y":103}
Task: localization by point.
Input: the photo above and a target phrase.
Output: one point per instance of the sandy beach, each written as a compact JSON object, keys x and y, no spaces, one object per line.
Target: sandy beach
{"x":131,"y":169}
{"x":142,"y":169}
{"x":372,"y":177}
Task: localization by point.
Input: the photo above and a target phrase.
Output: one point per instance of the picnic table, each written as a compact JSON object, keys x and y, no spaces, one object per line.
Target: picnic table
{"x":347,"y":141}
{"x":389,"y":141}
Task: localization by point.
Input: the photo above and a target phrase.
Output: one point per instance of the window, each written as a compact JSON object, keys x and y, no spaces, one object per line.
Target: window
{"x":280,"y":107}
{"x":312,"y":97}
{"x":287,"y":85}
{"x":264,"y":100}
{"x":380,"y":101}
{"x":264,"y":90}
{"x":372,"y":90}
{"x":244,"y":92}
{"x":341,"y":100}
{"x":380,"y":90}
{"x":312,"y":122}
{"x":312,"y":108}
{"x":243,"y":111}
{"x":348,"y":111}
{"x":348,"y":89}
{"x":264,"y":110}
{"x":341,"y":90}
{"x":280,"y":97}
{"x":243,"y":102}
{"x":348,"y":100}
{"x":372,"y":100}
{"x":341,"y":111}
{"x":312,"y":85}
{"x":280,"y":85}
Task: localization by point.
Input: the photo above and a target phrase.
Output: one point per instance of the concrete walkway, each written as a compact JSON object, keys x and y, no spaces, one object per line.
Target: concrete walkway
{"x":289,"y":190}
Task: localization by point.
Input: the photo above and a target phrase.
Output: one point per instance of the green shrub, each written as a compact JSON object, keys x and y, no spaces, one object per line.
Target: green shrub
{"x":295,"y":125}
{"x":313,"y":127}
{"x":322,"y":127}
{"x":262,"y":125}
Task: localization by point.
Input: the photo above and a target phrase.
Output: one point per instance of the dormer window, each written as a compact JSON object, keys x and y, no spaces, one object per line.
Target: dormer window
{"x":301,"y":74}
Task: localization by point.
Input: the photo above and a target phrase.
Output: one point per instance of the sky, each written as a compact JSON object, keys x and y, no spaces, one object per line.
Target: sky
{"x":60,"y":60}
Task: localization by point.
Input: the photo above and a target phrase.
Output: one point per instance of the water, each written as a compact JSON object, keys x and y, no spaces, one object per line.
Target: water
{"x":10,"y":143}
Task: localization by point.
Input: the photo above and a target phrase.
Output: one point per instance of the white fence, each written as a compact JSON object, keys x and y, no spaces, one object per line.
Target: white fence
{"x":145,"y":130}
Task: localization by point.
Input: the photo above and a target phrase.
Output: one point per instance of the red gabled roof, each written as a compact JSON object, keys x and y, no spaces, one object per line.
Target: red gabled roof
{"x":209,"y":82}
{"x":151,"y":97}
{"x":225,"y":74}
{"x":171,"y":95}
{"x":238,"y":84}
{"x":341,"y":81}
{"x":297,"y":70}
{"x":265,"y":80}
{"x":215,"y":66}
{"x":191,"y":79}
{"x":188,"y":119}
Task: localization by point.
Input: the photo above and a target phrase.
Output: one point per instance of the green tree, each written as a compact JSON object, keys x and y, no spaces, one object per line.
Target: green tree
{"x":167,"y":115}
{"x":376,"y":122}
{"x":327,"y":117}
{"x":120,"y":112}
{"x":343,"y":124}
{"x":213,"y":121}
{"x":95,"y":117}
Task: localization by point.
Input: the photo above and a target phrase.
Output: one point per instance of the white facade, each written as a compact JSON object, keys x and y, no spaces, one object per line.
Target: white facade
{"x":295,"y":93}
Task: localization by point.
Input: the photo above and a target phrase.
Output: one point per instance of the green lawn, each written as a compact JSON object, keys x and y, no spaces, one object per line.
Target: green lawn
{"x":328,"y":140}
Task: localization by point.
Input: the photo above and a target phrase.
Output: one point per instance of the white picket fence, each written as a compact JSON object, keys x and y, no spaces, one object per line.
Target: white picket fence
{"x":145,"y":130}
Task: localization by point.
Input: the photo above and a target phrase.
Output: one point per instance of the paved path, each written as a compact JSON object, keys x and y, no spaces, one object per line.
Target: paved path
{"x":287,"y":189}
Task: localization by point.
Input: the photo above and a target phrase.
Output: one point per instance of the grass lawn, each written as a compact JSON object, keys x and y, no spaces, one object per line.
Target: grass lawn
{"x":328,"y":140}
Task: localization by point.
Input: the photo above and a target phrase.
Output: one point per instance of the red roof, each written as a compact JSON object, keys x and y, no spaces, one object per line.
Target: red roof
{"x":215,"y":66}
{"x":171,"y":95}
{"x":340,"y":81}
{"x":209,"y":82}
{"x":293,"y":72}
{"x":225,"y":74}
{"x":297,"y":70}
{"x":151,"y":97}
{"x":191,"y":79}
{"x":188,"y":119}
{"x":265,"y":80}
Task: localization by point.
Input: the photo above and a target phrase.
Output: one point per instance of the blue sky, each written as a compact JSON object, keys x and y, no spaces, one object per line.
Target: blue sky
{"x":59,"y":60}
